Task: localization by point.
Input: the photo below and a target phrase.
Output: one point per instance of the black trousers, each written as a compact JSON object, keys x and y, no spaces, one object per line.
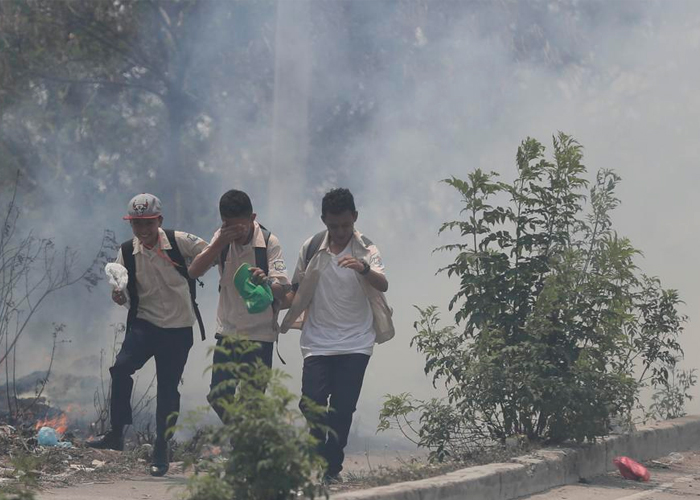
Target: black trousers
{"x":217,"y":391}
{"x":170,"y":347}
{"x":333,"y":382}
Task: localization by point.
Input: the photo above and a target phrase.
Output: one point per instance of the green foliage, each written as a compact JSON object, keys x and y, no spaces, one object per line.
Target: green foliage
{"x":17,"y":494}
{"x":100,"y":94}
{"x":558,"y":327}
{"x":27,"y":467}
{"x":669,"y":400}
{"x":273,"y":456}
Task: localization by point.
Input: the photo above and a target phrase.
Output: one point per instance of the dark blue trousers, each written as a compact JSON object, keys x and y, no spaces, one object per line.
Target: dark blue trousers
{"x":170,"y":348}
{"x":333,"y":382}
{"x":227,"y":391}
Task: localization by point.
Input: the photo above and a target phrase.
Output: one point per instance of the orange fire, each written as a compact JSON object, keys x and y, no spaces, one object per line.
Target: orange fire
{"x":60,"y":424}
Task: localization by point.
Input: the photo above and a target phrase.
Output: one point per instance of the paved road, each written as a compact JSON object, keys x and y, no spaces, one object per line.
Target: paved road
{"x":170,"y":487}
{"x":139,"y":488}
{"x":674,"y":477}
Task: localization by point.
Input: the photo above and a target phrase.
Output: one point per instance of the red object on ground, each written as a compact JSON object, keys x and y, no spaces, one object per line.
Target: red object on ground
{"x":631,"y":469}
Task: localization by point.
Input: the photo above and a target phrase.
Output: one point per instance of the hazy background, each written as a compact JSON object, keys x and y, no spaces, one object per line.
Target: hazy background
{"x":389,"y":97}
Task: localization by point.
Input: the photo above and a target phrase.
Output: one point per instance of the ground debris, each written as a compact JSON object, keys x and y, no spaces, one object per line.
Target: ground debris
{"x":667,"y":461}
{"x":23,"y":460}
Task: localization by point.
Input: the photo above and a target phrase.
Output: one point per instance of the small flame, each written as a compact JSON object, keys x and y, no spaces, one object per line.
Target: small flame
{"x":59,"y":424}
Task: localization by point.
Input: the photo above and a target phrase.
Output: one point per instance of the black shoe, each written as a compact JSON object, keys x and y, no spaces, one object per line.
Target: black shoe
{"x":160,"y":463}
{"x":112,"y":440}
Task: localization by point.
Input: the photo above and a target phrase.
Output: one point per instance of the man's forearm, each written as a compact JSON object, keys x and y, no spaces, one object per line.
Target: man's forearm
{"x":286,"y":301}
{"x":278,"y":291}
{"x":377,"y":280}
{"x":205,"y":260}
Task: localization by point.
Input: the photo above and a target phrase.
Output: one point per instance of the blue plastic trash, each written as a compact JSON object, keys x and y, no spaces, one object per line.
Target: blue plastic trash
{"x":47,"y":437}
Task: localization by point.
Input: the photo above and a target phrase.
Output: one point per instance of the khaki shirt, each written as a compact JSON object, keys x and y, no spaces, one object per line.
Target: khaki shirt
{"x":232,"y":317}
{"x":164,"y":295}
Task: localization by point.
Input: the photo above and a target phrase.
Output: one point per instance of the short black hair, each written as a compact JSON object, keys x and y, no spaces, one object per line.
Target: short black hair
{"x":235,"y":203}
{"x":336,"y":201}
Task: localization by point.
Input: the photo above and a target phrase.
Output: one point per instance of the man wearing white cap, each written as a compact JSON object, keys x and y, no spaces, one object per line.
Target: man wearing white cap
{"x":160,"y":297}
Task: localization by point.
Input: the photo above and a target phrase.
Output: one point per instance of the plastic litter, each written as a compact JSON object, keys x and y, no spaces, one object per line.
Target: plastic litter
{"x":631,"y":469}
{"x":47,"y":437}
{"x":257,"y":298}
{"x":118,"y":276}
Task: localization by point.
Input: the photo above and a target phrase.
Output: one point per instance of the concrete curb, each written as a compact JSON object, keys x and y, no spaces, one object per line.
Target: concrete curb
{"x":543,"y":469}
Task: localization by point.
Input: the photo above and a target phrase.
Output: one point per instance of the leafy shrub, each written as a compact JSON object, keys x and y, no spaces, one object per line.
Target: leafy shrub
{"x":273,"y":456}
{"x":17,"y":494}
{"x":557,"y":327}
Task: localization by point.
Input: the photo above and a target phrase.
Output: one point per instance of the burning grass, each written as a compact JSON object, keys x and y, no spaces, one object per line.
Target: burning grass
{"x":59,"y":424}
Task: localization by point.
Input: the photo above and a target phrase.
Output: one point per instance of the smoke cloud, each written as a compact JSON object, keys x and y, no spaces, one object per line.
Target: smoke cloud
{"x":388,"y":98}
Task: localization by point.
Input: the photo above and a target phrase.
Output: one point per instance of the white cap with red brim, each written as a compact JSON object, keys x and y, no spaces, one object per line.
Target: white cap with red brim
{"x":143,"y":206}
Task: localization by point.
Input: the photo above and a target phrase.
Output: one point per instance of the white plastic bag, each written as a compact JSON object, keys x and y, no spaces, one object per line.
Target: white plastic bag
{"x":118,"y":276}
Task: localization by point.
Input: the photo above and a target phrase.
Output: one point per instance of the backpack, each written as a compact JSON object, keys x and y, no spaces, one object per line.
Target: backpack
{"x":180,"y":266}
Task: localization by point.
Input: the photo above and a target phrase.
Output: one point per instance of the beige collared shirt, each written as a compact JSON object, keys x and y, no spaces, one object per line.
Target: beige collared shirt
{"x":232,"y":317}
{"x":164,"y":295}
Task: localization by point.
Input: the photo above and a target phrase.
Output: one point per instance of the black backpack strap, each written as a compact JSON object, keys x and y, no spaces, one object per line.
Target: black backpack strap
{"x":222,"y":260}
{"x":314,"y":245}
{"x":130,"y":265}
{"x":277,"y":346}
{"x":261,"y":252}
{"x":181,"y":267}
{"x":222,"y":257}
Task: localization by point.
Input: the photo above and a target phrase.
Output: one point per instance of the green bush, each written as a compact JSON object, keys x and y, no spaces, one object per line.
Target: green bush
{"x":557,"y":327}
{"x":273,"y":456}
{"x":17,"y":494}
{"x":668,"y":401}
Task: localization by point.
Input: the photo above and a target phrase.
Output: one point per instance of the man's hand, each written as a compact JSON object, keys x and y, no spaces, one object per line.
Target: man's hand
{"x":257,"y":275}
{"x":227,"y":234}
{"x":350,"y":262}
{"x":119,"y":297}
{"x":376,"y":279}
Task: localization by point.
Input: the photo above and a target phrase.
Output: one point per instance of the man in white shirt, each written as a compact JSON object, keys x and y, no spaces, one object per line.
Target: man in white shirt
{"x":339,"y":283}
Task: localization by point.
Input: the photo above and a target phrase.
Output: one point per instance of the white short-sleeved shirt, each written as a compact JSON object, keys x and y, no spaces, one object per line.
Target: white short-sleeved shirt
{"x":339,"y":319}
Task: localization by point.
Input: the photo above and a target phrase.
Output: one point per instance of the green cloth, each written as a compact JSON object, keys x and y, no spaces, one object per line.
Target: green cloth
{"x":257,"y":298}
